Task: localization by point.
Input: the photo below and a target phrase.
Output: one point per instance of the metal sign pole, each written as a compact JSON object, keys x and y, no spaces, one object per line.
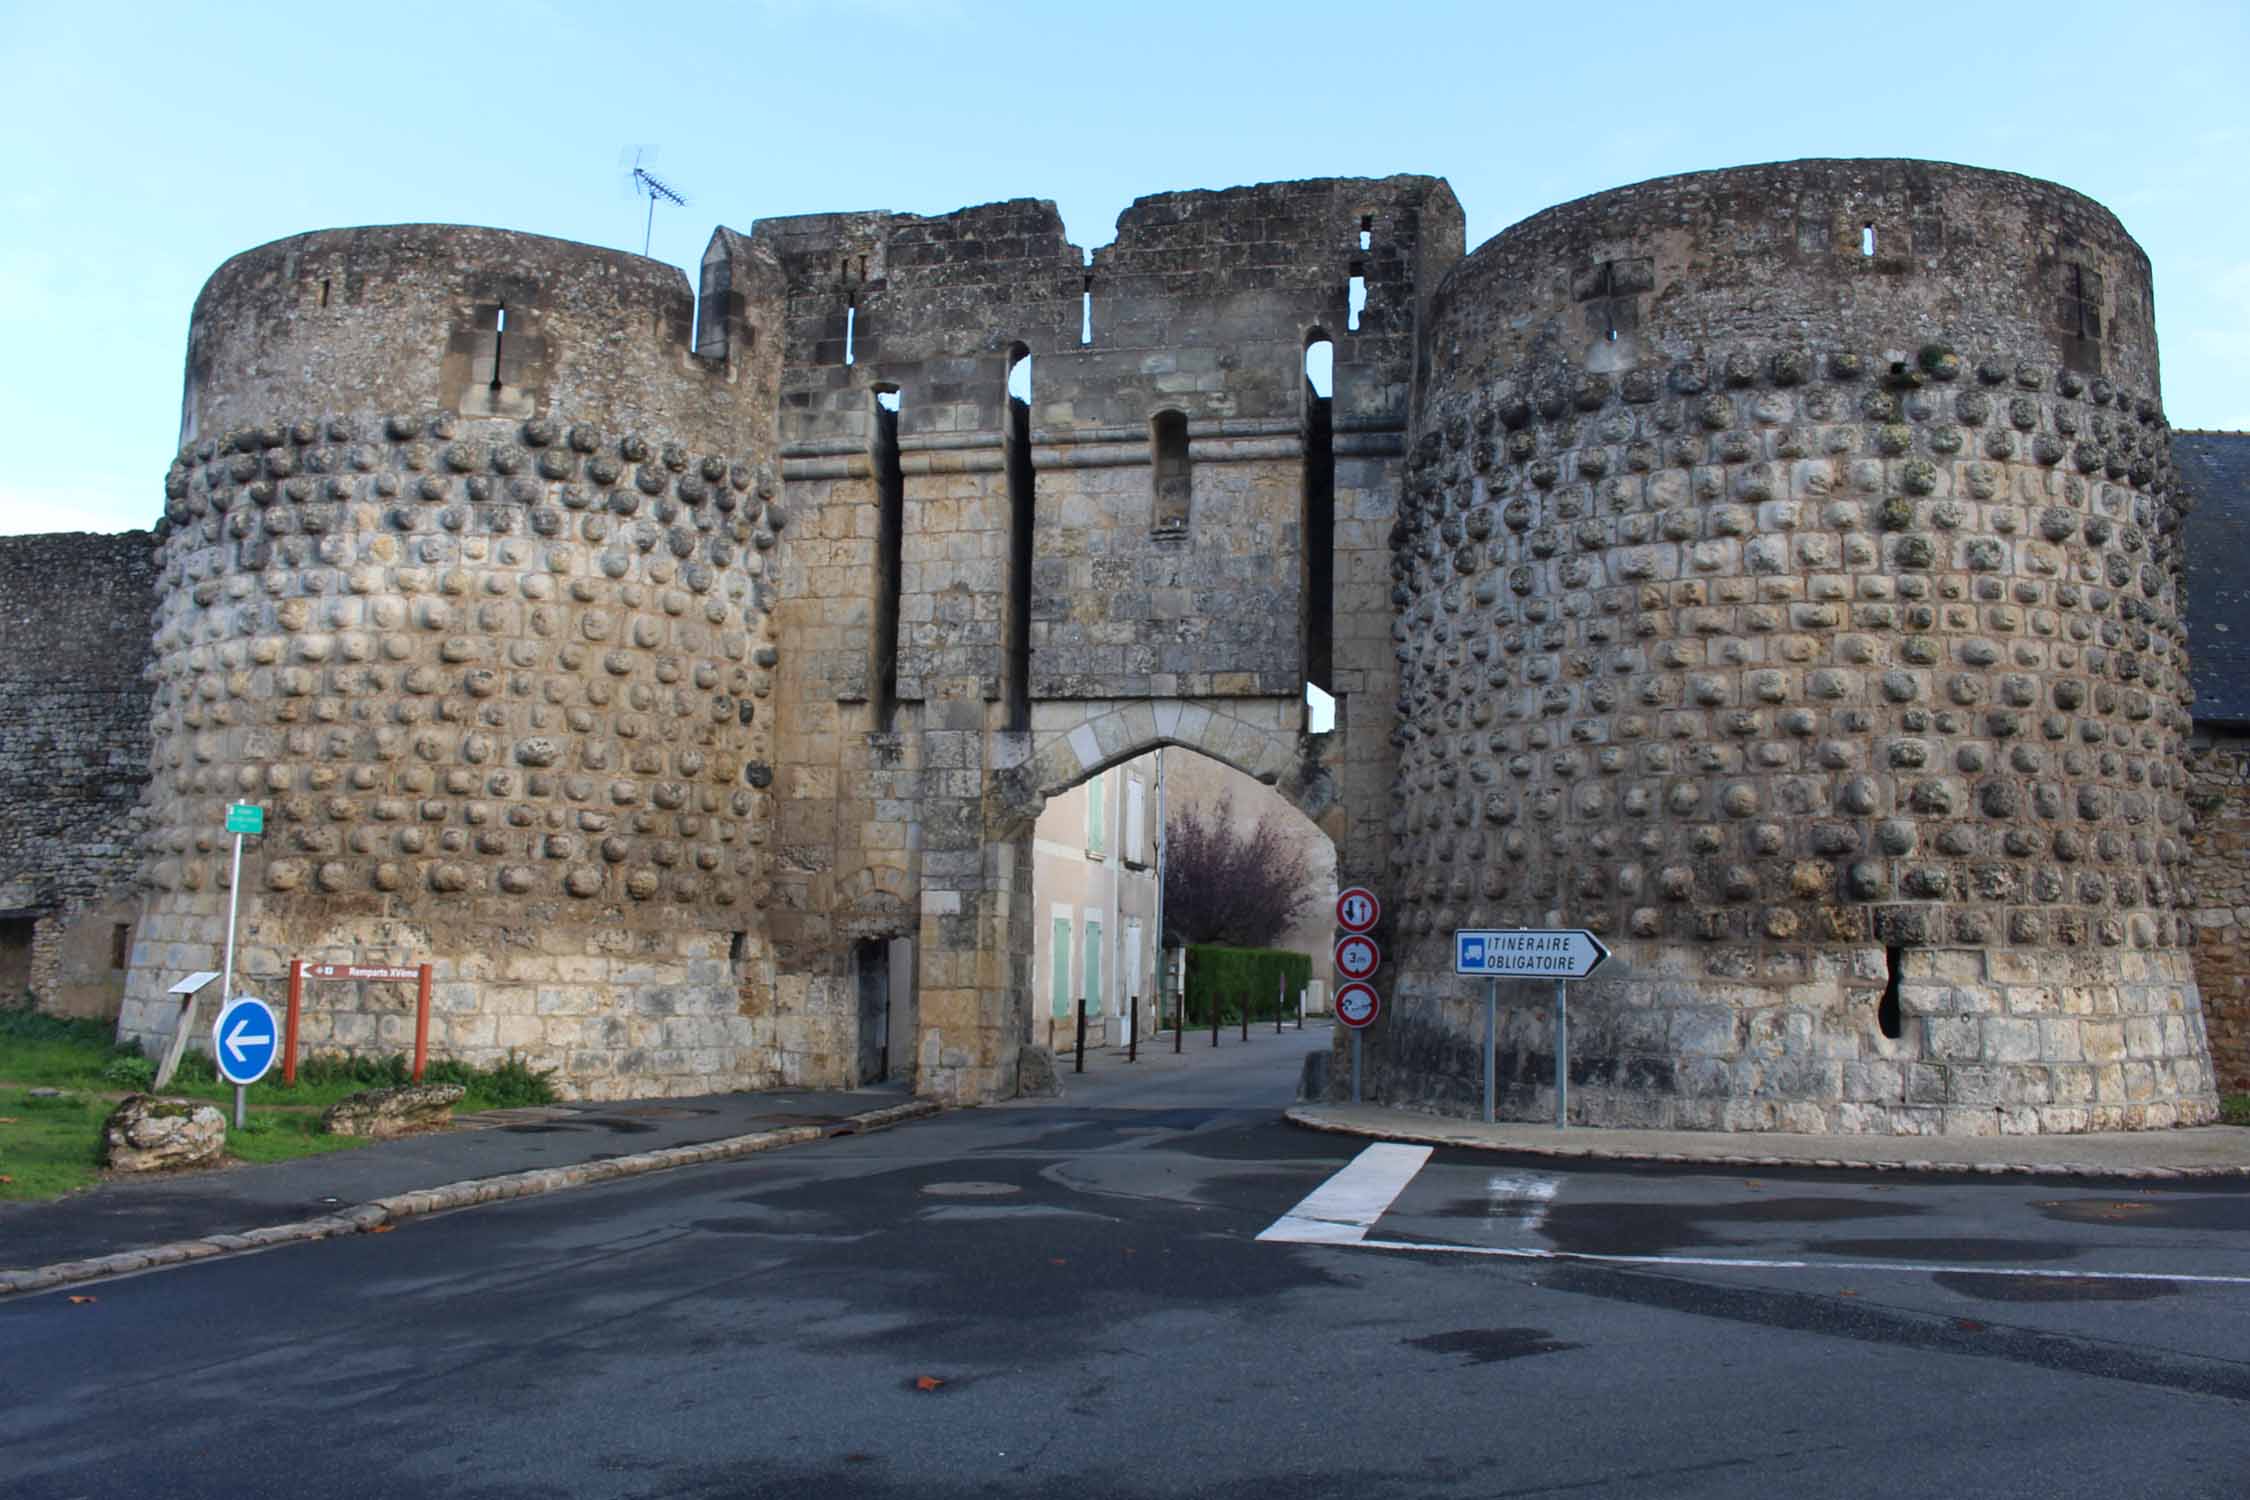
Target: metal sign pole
{"x":1562,"y":1054}
{"x":1491,"y":1043}
{"x":1355,"y":1066}
{"x":234,"y":892}
{"x":226,"y":984}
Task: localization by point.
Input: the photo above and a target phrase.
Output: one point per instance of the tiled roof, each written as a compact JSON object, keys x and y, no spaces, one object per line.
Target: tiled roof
{"x":2216,"y":467}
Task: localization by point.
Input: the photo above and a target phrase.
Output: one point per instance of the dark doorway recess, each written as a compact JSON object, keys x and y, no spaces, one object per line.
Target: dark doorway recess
{"x":871,"y":960}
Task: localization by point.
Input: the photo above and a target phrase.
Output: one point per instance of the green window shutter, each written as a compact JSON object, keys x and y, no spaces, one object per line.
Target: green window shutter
{"x":1093,"y":968}
{"x":1097,"y":807}
{"x":1061,"y":946}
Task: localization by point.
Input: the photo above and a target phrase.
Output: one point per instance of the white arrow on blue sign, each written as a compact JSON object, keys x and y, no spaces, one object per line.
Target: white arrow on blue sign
{"x":1527,"y":953}
{"x":245,"y":1040}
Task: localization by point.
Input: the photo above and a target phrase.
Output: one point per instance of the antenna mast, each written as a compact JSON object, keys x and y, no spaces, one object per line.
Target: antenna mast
{"x":647,"y":184}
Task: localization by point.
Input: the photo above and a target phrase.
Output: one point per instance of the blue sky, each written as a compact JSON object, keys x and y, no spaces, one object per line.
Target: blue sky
{"x":145,"y":144}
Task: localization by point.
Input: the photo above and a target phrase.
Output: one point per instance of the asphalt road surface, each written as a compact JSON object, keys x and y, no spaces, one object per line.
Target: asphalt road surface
{"x":1073,"y":1298}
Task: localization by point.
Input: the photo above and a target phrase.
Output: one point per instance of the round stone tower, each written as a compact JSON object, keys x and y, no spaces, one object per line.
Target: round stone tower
{"x":1787,"y":590}
{"x":462,"y":581}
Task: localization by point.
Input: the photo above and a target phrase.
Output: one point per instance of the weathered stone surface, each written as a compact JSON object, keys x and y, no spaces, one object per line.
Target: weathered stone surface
{"x":153,"y":1132}
{"x":74,"y":758}
{"x":1800,"y":591}
{"x":1036,"y":1077}
{"x":394,"y":1111}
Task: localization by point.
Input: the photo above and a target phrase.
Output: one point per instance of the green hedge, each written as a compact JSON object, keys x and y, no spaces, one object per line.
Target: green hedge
{"x":1225,"y":976}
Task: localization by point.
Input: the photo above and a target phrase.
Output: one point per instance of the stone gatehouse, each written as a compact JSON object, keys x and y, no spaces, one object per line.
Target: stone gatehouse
{"x":1775,"y":570}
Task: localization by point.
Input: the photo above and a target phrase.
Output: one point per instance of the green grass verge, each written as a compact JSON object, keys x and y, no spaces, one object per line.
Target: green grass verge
{"x":49,"y":1147}
{"x":2234,"y":1109}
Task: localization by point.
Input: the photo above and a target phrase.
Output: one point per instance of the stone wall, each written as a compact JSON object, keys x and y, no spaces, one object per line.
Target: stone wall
{"x":1806,"y":621}
{"x":475,"y":605}
{"x":74,"y":749}
{"x":2218,"y":872}
{"x":1067,"y":596}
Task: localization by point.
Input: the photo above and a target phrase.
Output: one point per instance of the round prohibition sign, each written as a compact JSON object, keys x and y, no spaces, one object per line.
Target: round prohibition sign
{"x":1357,"y":910}
{"x":1357,"y":957}
{"x":1357,"y":1005}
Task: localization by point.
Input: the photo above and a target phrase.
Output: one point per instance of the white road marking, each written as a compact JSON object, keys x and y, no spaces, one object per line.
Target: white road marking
{"x":1723,"y":1263}
{"x":1341,"y":1210}
{"x":1522,"y":1196}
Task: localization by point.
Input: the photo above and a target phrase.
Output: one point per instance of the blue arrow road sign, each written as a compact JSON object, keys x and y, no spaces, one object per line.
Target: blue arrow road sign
{"x":245,"y":1040}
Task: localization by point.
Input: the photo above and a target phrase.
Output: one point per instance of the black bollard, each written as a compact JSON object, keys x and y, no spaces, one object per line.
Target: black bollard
{"x":1244,"y":1001}
{"x":1133,"y":1041}
{"x":1080,"y":1065}
{"x":1214,"y":1019}
{"x":1179,"y":1020}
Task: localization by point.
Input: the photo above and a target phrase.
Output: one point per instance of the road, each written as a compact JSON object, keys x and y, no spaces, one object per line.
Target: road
{"x":1072,"y":1298}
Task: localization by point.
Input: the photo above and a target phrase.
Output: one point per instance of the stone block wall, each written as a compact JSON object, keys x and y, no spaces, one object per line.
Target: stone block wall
{"x":74,"y":750}
{"x":2218,"y":873}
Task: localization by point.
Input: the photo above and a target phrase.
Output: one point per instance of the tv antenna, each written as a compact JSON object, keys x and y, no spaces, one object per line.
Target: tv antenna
{"x":640,"y":182}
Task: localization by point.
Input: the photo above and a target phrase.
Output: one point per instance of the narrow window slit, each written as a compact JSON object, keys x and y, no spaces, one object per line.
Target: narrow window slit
{"x":1022,"y":516}
{"x":851,"y":330}
{"x":1356,"y":297}
{"x":1320,"y":510}
{"x":1366,"y":231}
{"x":1174,"y":480}
{"x":890,"y":527}
{"x":1887,"y":1012}
{"x":1086,"y":313}
{"x":324,"y":292}
{"x":499,"y":338}
{"x":1867,"y":239}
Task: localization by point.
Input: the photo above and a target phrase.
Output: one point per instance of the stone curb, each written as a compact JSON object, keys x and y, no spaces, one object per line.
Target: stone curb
{"x":383,"y":1211}
{"x":1313,"y":1118}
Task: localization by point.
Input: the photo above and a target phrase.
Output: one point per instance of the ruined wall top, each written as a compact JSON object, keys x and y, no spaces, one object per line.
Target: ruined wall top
{"x":478,"y":322}
{"x":926,"y":304}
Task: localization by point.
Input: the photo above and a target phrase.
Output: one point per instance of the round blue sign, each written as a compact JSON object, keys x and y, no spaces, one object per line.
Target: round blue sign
{"x":245,"y":1040}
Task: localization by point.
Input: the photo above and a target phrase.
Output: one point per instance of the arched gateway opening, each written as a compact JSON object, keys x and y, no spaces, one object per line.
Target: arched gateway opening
{"x":1151,"y":858}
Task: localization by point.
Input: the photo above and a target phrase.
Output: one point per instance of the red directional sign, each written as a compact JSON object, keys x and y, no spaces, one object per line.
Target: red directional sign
{"x":1357,"y":957}
{"x":1357,"y":910}
{"x":1357,"y":1005}
{"x":361,"y":971}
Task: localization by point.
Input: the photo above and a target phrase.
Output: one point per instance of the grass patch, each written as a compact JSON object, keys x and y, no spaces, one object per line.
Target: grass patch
{"x":56,"y":1052}
{"x":2234,"y":1109}
{"x":48,"y":1147}
{"x":274,"y":1136}
{"x":322,"y":1080}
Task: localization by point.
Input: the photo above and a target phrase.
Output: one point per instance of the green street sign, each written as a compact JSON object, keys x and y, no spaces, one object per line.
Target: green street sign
{"x":243,"y":818}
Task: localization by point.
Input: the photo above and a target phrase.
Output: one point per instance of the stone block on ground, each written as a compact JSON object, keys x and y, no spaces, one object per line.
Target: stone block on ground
{"x":154,"y":1132}
{"x":396,"y":1111}
{"x":1035,"y":1074}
